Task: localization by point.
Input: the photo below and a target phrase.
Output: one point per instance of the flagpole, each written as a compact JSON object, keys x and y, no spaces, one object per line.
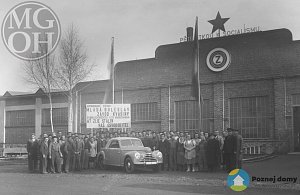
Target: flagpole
{"x":198,"y":79}
{"x":113,"y":71}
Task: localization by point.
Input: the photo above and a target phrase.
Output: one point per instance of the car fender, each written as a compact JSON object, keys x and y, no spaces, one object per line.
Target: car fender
{"x":154,"y":153}
{"x":129,"y":154}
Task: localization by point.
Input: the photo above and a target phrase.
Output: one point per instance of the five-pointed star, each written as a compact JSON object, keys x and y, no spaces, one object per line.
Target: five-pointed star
{"x":218,"y":23}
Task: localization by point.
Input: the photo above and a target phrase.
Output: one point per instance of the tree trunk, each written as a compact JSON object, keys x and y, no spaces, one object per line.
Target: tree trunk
{"x":70,"y":114}
{"x":51,"y":112}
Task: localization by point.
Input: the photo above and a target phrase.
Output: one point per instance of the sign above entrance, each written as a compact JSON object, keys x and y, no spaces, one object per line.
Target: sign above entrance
{"x":218,"y":59}
{"x":108,"y":116}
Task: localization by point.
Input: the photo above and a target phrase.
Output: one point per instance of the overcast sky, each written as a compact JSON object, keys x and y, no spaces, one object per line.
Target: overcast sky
{"x":140,"y":26}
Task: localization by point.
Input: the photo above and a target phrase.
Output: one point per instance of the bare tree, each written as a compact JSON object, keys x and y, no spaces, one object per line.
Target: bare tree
{"x":72,"y":67}
{"x":41,"y":74}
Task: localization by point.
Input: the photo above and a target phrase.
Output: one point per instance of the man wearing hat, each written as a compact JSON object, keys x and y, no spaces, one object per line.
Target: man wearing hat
{"x":59,"y":135}
{"x":229,"y":149}
{"x":238,"y":149}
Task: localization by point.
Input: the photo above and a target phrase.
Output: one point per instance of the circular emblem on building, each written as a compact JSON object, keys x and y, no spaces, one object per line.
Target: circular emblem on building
{"x":218,"y":59}
{"x":30,"y":30}
{"x":238,"y":180}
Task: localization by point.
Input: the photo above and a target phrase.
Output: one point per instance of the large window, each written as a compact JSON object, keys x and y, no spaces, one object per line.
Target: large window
{"x":60,"y":116}
{"x":144,"y":112}
{"x":187,"y":115}
{"x":20,"y":118}
{"x":250,"y":115}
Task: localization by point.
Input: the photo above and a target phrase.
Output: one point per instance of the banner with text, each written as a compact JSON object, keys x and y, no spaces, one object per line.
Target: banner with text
{"x":108,"y":116}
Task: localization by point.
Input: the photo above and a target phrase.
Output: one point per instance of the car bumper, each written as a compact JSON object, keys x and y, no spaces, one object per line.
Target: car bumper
{"x":145,"y":163}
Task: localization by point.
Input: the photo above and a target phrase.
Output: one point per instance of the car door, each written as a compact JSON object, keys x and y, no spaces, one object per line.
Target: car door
{"x":114,"y":153}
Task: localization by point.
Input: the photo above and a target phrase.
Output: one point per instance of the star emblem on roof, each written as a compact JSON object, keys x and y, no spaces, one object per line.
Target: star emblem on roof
{"x":218,"y":23}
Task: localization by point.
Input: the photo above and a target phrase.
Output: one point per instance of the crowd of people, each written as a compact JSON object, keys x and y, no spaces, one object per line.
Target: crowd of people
{"x":197,"y":151}
{"x":57,"y":153}
{"x":182,"y":151}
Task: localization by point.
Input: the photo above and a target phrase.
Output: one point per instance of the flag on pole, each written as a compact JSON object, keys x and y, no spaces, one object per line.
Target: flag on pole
{"x":109,"y":97}
{"x":196,"y":92}
{"x":195,"y":81}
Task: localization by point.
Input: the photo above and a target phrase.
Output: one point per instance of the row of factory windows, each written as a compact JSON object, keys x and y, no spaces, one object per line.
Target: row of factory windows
{"x":251,"y":115}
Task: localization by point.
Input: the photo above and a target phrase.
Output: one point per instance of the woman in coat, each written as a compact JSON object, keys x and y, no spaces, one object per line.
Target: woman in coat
{"x":190,"y":153}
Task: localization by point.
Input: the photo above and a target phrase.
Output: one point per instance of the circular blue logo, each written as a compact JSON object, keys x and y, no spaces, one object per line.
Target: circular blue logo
{"x":238,"y":180}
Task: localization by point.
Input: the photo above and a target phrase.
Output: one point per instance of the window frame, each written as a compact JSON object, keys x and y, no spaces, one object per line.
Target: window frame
{"x":256,"y":123}
{"x":144,"y":112}
{"x":207,"y":115}
{"x":63,"y":111}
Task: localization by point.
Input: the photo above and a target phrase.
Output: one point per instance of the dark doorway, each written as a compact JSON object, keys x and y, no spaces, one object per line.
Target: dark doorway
{"x":296,"y":119}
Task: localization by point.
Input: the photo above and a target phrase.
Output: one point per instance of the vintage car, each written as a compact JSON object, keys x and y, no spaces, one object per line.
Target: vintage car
{"x":130,"y":153}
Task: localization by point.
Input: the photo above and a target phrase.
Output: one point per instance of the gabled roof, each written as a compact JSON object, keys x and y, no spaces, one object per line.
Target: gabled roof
{"x":40,"y":91}
{"x":15,"y":93}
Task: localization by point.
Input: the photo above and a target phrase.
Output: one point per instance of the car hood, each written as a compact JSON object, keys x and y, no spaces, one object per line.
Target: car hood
{"x":139,"y":149}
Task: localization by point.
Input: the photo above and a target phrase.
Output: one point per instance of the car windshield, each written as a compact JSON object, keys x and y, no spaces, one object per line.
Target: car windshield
{"x":131,"y":142}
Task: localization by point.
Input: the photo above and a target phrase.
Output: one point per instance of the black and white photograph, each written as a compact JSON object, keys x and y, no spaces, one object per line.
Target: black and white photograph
{"x":166,"y":97}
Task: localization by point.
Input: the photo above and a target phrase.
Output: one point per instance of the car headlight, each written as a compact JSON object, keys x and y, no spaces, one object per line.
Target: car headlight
{"x":159,"y":154}
{"x":137,"y":155}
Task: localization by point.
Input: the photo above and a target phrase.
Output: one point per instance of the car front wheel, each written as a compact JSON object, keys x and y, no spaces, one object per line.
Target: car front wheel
{"x":128,"y":165}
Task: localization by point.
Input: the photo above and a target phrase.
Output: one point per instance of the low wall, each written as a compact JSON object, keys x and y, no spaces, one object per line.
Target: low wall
{"x":265,"y":146}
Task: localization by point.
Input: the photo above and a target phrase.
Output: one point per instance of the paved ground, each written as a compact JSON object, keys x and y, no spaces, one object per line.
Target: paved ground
{"x":14,"y":179}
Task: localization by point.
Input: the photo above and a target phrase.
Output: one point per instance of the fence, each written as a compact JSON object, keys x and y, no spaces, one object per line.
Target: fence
{"x":12,"y":149}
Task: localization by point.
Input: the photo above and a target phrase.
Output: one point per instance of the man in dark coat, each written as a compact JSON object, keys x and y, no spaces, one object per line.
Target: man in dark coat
{"x":50,"y":167}
{"x":44,"y":155}
{"x":32,"y":150}
{"x":238,"y":149}
{"x":147,"y":141}
{"x":213,"y":151}
{"x":228,"y":151}
{"x":154,"y":142}
{"x":164,"y":147}
{"x":62,"y":142}
{"x":77,"y":151}
{"x":180,"y":160}
{"x":69,"y":151}
{"x":231,"y":150}
{"x":172,"y":153}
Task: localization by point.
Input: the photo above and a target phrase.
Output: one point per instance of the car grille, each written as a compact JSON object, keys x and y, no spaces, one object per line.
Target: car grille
{"x":149,"y":158}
